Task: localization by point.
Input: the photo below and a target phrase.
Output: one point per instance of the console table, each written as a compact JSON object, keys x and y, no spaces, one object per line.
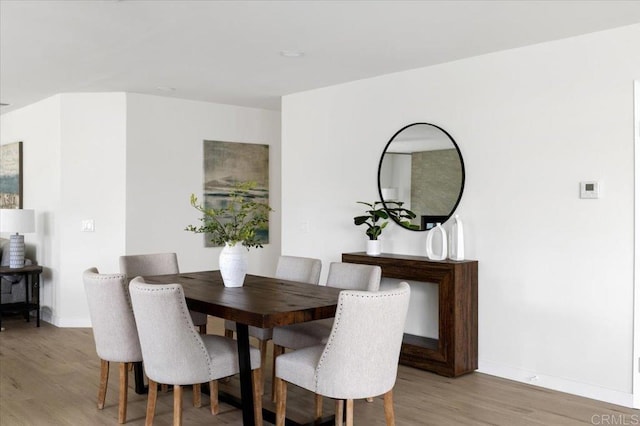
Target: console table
{"x":32,"y":291}
{"x":455,"y":352}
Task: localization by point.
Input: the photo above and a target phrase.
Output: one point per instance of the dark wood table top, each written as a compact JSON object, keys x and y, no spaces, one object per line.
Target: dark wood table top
{"x":262,"y":302}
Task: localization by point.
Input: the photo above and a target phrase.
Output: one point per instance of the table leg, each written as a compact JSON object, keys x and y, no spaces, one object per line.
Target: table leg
{"x":246,"y":383}
{"x":139,"y":378}
{"x":28,"y":284}
{"x":37,"y":296}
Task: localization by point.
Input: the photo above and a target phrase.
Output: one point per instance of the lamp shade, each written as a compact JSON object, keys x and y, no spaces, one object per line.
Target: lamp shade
{"x":20,"y":221}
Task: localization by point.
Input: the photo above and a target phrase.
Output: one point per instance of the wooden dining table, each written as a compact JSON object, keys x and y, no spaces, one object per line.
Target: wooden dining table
{"x":261,"y":302}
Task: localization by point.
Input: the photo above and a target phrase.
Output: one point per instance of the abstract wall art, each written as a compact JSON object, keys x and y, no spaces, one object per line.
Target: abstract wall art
{"x":11,"y":176}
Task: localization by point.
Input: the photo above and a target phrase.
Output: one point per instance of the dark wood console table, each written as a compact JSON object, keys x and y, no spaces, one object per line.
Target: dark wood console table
{"x":455,"y":352}
{"x":32,"y":290}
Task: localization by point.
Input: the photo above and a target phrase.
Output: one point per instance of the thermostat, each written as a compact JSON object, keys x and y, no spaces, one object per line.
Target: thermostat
{"x":590,"y":189}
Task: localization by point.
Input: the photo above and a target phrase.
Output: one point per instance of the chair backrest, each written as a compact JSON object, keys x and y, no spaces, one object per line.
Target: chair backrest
{"x":172,"y":351}
{"x":114,"y":327}
{"x":361,"y":356}
{"x":353,"y":276}
{"x":301,"y":269}
{"x":149,"y":264}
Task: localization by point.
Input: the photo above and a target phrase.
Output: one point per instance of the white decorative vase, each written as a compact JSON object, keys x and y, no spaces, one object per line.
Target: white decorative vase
{"x":234,"y":263}
{"x":374,"y":247}
{"x":456,"y":240}
{"x":440,"y":254}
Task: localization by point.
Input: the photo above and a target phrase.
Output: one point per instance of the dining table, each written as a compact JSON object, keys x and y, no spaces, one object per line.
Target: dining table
{"x":262,"y":302}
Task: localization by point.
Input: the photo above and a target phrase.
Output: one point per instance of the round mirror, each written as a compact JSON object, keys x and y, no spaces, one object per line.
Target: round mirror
{"x":421,"y":170}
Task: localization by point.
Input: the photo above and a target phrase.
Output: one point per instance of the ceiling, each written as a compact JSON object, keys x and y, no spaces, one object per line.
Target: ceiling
{"x":230,"y":51}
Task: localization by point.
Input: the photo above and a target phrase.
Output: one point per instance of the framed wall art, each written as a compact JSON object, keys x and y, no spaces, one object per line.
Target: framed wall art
{"x":11,"y":176}
{"x":227,"y":163}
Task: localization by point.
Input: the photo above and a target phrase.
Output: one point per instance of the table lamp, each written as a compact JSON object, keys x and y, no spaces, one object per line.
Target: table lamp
{"x":16,"y":221}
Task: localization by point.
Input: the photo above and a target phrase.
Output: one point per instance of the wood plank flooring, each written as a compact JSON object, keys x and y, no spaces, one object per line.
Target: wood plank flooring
{"x":49,"y":376}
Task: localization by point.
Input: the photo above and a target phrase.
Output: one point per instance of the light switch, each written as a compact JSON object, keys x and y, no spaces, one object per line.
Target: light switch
{"x":304,"y":227}
{"x":88,"y":225}
{"x":590,"y":189}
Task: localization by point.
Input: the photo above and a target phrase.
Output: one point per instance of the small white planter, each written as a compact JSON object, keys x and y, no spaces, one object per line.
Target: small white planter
{"x":234,"y":263}
{"x":374,"y":247}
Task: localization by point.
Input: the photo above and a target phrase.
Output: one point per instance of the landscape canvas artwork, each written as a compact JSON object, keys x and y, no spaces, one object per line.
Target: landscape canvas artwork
{"x":227,"y":163}
{"x":11,"y":176}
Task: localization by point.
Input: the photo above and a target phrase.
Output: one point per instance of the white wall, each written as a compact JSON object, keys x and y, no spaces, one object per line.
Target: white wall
{"x":129,"y":162}
{"x":38,"y":127}
{"x":73,"y":169}
{"x":636,"y":267}
{"x":165,"y":165}
{"x":93,"y":129}
{"x":555,"y":271}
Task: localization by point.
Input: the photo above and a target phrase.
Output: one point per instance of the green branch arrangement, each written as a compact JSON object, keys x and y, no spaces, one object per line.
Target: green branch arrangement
{"x":237,"y":222}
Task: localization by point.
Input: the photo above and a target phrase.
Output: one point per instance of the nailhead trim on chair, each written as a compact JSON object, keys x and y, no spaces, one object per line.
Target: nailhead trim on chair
{"x":337,"y":320}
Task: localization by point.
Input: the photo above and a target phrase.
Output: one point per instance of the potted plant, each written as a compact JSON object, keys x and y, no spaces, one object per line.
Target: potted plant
{"x":377,"y":218}
{"x":235,"y":226}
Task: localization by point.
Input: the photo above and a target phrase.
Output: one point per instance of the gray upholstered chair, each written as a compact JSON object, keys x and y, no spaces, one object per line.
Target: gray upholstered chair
{"x":157,"y":264}
{"x":114,"y":330}
{"x":349,"y":276}
{"x":360,"y":358}
{"x":174,"y":353}
{"x":291,"y":268}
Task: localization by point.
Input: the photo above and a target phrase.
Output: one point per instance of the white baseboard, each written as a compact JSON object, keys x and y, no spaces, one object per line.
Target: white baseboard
{"x":67,"y":322}
{"x":555,"y":383}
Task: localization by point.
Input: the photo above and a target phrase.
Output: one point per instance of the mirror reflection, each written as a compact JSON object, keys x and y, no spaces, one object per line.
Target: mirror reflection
{"x":422,"y":167}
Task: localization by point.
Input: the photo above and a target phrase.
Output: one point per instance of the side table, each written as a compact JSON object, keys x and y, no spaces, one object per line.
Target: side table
{"x":32,"y":292}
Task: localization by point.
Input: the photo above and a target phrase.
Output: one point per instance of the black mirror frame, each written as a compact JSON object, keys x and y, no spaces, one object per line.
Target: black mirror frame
{"x":462,"y":169}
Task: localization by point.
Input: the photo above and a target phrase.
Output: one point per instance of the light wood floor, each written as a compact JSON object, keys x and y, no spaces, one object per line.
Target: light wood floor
{"x":49,"y":376}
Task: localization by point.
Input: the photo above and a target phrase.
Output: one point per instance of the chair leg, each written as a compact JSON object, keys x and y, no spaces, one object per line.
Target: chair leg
{"x":349,"y":410}
{"x":197,"y":400}
{"x":257,"y":395}
{"x":277,"y":350}
{"x":389,"y":415}
{"x":124,"y":388}
{"x":151,"y":402}
{"x":281,"y":400}
{"x":164,"y":387}
{"x":177,"y":405}
{"x":213,"y":397}
{"x":202,"y":328}
{"x":104,"y":379}
{"x":318,"y":406}
{"x":339,"y":412}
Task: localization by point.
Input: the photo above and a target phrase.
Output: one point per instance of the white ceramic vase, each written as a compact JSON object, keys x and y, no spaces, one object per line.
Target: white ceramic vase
{"x":374,"y":247}
{"x":441,"y":252}
{"x":456,"y":240}
{"x":234,"y":262}
{"x":16,"y":251}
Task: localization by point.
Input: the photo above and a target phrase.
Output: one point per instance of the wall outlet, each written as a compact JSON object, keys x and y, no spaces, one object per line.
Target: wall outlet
{"x":88,"y":225}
